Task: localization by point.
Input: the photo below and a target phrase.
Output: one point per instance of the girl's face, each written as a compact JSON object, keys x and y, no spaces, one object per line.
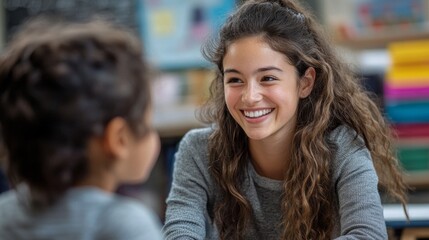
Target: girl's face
{"x":261,"y":89}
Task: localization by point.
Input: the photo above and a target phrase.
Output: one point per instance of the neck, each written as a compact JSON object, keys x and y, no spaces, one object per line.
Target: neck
{"x":99,"y":173}
{"x":270,"y":158}
{"x":105,"y":183}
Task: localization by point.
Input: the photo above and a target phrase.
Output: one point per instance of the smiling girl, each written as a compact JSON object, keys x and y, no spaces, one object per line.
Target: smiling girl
{"x":297,"y":149}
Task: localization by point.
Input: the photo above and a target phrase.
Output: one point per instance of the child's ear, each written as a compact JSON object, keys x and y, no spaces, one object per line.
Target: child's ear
{"x":307,"y":82}
{"x":116,"y":138}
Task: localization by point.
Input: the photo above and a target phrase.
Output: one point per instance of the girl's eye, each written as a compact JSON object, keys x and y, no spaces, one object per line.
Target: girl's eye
{"x":268,"y":78}
{"x":233,"y":80}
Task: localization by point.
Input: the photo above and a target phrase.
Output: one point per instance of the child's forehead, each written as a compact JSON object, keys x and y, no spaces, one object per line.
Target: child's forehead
{"x":256,"y":42}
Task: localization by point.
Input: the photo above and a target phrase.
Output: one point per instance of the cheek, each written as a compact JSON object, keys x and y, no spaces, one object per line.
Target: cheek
{"x":286,"y":94}
{"x":153,"y":147}
{"x":149,"y":151}
{"x":231,"y":97}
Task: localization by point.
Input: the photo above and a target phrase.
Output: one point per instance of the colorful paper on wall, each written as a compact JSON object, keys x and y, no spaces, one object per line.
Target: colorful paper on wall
{"x":411,"y":130}
{"x":392,"y":92}
{"x":408,"y":111}
{"x":409,"y":52}
{"x":409,"y":75}
{"x":414,"y":158}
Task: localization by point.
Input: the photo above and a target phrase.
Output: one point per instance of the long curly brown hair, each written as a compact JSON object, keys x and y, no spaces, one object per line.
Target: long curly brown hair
{"x":337,"y":99}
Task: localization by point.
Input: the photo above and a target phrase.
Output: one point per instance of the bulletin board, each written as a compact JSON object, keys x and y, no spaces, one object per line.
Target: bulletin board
{"x":173,"y":31}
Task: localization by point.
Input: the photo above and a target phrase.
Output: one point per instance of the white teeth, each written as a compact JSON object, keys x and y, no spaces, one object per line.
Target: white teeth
{"x":256,"y":114}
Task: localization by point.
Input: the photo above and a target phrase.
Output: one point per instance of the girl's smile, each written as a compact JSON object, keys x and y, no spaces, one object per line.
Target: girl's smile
{"x":257,"y":113}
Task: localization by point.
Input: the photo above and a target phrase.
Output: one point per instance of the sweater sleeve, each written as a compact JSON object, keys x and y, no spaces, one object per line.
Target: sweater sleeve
{"x":186,"y":214}
{"x":360,"y":209}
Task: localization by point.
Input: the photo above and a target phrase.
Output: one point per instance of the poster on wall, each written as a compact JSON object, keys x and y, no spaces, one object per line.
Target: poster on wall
{"x":173,"y":31}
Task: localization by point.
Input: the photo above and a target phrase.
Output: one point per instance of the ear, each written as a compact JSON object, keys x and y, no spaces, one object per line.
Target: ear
{"x":307,"y":82}
{"x":116,"y":138}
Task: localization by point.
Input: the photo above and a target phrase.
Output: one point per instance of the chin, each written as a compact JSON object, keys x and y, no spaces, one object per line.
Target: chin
{"x":256,"y":136}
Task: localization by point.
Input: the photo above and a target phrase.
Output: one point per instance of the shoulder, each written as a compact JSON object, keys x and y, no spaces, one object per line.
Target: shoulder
{"x":191,"y":160}
{"x":15,"y":202}
{"x":342,"y":133}
{"x":8,"y":197}
{"x":126,"y":218}
{"x":198,"y":136}
{"x":195,"y":142}
{"x":350,"y":151}
{"x":346,"y":140}
{"x":8,"y":203}
{"x":12,"y":212}
{"x":130,"y":209}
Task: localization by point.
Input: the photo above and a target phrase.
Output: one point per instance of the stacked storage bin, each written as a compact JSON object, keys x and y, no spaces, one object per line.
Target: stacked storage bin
{"x":407,"y":102}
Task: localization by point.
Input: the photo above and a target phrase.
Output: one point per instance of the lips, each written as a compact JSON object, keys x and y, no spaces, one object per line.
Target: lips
{"x":257,"y":113}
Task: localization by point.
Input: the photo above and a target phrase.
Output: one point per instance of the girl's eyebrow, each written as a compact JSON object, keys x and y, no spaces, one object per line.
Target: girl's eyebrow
{"x":269,"y":68}
{"x":230,"y":70}
{"x":263,"y":69}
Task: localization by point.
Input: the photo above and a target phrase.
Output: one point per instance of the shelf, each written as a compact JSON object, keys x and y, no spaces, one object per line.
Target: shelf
{"x":418,"y":179}
{"x":381,"y":40}
{"x":175,"y":121}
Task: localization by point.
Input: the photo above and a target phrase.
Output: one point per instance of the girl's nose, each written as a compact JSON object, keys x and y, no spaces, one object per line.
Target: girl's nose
{"x":251,"y":93}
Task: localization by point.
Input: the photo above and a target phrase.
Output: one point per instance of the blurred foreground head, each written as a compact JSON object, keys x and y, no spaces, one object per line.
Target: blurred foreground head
{"x":60,"y":84}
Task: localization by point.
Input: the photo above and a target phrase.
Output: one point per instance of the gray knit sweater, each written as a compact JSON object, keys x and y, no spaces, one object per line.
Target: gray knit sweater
{"x":193,"y":193}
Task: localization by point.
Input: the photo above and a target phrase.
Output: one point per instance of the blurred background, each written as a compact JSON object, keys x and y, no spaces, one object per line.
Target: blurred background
{"x":386,"y":42}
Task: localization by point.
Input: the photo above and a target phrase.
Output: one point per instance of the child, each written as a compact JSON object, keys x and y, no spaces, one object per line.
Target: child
{"x":297,"y":150}
{"x":75,"y":113}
